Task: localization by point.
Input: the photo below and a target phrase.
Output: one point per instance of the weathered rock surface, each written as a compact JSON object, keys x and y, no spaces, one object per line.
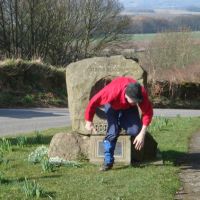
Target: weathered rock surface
{"x":86,"y":77}
{"x":148,"y":152}
{"x":68,"y":146}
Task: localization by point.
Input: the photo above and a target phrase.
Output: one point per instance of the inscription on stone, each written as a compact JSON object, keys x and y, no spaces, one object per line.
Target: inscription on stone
{"x":101,"y":128}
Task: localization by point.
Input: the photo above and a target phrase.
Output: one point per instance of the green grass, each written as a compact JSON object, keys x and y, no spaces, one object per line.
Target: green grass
{"x":33,"y":99}
{"x":143,"y":182}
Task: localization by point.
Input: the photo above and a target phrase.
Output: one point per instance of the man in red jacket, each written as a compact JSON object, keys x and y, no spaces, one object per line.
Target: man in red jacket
{"x":120,"y":99}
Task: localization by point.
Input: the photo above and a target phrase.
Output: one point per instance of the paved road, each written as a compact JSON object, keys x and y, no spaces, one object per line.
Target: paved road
{"x":14,"y":121}
{"x":176,"y":112}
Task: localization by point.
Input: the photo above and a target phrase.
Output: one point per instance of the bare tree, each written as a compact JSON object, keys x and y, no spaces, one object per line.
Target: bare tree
{"x":169,"y":49}
{"x":59,"y":31}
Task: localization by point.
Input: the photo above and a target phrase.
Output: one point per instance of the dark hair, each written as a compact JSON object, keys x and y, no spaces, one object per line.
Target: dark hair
{"x":134,"y":91}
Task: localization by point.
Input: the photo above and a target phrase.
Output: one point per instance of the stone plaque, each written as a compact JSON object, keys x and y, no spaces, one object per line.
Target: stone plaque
{"x":122,"y":150}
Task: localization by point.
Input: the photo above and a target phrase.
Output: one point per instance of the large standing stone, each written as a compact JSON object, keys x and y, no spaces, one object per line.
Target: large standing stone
{"x":86,"y":77}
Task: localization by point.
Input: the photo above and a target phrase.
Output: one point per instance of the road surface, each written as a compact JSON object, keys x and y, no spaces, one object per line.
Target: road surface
{"x":16,"y":121}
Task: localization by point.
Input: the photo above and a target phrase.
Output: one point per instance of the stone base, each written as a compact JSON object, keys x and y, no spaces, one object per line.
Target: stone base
{"x":147,"y":153}
{"x":70,"y":145}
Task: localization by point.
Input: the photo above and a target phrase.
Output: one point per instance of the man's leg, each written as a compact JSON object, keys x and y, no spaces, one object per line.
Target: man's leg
{"x":130,"y":121}
{"x":111,"y":136}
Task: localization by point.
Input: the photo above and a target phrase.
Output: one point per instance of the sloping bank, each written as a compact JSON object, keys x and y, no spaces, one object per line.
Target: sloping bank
{"x":31,"y":84}
{"x":34,"y":84}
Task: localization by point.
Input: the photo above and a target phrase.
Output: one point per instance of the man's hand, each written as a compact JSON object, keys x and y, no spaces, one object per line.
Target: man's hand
{"x":139,"y":139}
{"x":90,"y":127}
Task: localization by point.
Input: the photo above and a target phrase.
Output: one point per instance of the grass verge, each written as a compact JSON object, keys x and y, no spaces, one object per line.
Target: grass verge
{"x":85,"y":182}
{"x":31,"y":84}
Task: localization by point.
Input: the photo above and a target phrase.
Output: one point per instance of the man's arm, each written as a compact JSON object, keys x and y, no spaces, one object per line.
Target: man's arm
{"x":147,"y":114}
{"x":139,"y":139}
{"x":104,"y":96}
{"x":90,"y":127}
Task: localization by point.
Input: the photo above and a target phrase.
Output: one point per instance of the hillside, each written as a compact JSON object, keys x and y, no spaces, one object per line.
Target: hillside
{"x":31,"y":84}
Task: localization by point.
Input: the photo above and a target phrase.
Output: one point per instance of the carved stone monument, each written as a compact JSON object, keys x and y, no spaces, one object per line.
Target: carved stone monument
{"x":84,"y":79}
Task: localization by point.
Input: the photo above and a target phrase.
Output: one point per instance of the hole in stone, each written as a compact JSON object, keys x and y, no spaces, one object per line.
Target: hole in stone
{"x":96,"y":88}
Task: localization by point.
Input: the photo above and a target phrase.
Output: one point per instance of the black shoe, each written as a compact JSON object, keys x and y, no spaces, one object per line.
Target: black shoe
{"x":106,"y":167}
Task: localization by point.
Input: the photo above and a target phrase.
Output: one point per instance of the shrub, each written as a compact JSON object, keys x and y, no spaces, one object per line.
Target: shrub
{"x":2,"y":159}
{"x":158,"y":124}
{"x":32,"y":189}
{"x":59,"y":161}
{"x":37,"y":155}
{"x":28,"y":99}
{"x":5,"y":145}
{"x":22,"y":141}
{"x":169,"y":49}
{"x":46,"y":165}
{"x":2,"y":178}
{"x":38,"y":137}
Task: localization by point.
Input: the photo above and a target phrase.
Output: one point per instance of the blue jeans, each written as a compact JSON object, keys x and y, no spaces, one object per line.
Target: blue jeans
{"x":128,"y":119}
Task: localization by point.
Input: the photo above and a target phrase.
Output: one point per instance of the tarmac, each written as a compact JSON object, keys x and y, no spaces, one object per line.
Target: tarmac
{"x":190,"y":171}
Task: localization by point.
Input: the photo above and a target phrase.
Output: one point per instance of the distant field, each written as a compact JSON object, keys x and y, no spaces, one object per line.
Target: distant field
{"x":150,"y":36}
{"x":138,"y":37}
{"x":160,"y":13}
{"x":196,"y":35}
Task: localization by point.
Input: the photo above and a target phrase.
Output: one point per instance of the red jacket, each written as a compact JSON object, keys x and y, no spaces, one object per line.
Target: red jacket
{"x":114,"y":93}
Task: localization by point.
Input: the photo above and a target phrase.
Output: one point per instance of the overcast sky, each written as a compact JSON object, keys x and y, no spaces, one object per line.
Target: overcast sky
{"x":159,"y":3}
{"x":126,"y":3}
